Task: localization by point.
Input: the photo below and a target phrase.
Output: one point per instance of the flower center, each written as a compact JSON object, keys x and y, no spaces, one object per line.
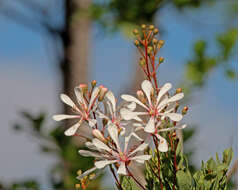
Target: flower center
{"x":123,"y":157}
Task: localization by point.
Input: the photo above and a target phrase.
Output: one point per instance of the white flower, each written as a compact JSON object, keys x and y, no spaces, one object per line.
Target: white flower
{"x":112,"y":114}
{"x":160,"y":107}
{"x":83,"y":111}
{"x":112,"y":153}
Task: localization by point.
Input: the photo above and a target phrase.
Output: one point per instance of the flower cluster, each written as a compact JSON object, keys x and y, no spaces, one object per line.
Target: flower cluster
{"x":123,"y":134}
{"x":119,"y":124}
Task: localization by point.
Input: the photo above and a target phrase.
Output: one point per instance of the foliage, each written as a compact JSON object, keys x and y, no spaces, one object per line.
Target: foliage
{"x":26,"y":184}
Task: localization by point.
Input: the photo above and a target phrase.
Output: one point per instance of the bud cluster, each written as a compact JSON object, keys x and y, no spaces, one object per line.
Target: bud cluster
{"x":148,"y":46}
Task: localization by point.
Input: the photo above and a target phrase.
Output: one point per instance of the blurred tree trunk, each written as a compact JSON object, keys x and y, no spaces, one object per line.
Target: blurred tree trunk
{"x":76,"y":43}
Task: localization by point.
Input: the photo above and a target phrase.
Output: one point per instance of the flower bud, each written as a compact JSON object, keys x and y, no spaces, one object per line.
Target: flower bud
{"x":77,"y":186}
{"x":154,"y":41}
{"x":174,"y":134}
{"x":185,"y":110}
{"x":143,"y":26}
{"x":178,"y":90}
{"x":149,"y":49}
{"x":141,"y":96}
{"x":135,"y":32}
{"x":102,"y":93}
{"x":96,"y":133}
{"x":137,"y":43}
{"x":151,"y":27}
{"x":83,"y":88}
{"x":161,"y":60}
{"x":142,"y":62}
{"x":93,"y":83}
{"x":79,"y":172}
{"x":161,"y":43}
{"x":156,"y":31}
{"x":92,"y":176}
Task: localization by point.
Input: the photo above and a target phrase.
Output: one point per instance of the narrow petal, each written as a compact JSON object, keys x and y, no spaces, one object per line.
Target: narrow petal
{"x":100,"y":145}
{"x":140,"y":148}
{"x":87,"y":153}
{"x":90,"y":145}
{"x":122,"y":169}
{"x":173,"y":116}
{"x":63,"y":116}
{"x":73,"y":129}
{"x":112,"y":99}
{"x":131,"y":106}
{"x":92,"y":122}
{"x":163,"y":145}
{"x":93,"y":96}
{"x":101,"y":164}
{"x":79,"y":96}
{"x":147,"y":88}
{"x":176,"y":97}
{"x":86,"y":173}
{"x":129,"y":115}
{"x":173,"y":128}
{"x":67,"y":100}
{"x":141,"y":159}
{"x":150,"y":126}
{"x":130,"y":98}
{"x":163,"y":91}
{"x":101,"y":115}
{"x":113,"y":132}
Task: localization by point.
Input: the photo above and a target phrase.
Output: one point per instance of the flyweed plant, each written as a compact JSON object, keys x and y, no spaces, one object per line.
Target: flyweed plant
{"x":139,"y":131}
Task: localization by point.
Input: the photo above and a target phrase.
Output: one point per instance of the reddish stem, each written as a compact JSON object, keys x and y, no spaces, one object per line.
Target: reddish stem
{"x":133,"y":177}
{"x":115,"y":177}
{"x":146,"y":60}
{"x":158,"y":157}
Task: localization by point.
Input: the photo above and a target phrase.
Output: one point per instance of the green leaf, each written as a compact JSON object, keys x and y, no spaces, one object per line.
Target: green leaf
{"x":184,"y":180}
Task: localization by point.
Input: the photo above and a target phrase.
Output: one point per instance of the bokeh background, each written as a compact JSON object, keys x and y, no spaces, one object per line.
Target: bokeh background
{"x":49,"y":46}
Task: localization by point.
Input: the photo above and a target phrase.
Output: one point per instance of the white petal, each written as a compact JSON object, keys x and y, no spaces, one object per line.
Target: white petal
{"x":140,"y":148}
{"x":100,"y":145}
{"x":122,"y":169}
{"x":101,"y":164}
{"x":176,"y":97}
{"x":92,"y":122}
{"x":141,"y":159}
{"x":129,"y":115}
{"x":130,"y":98}
{"x":163,"y":145}
{"x":63,"y":116}
{"x":79,"y":96}
{"x":87,"y":153}
{"x":163,"y":102}
{"x":131,"y":106}
{"x":73,"y":129}
{"x":90,"y":145}
{"x":101,"y":115}
{"x":150,"y":126}
{"x":113,"y":132}
{"x":93,"y":96}
{"x":147,"y":88}
{"x":173,"y":116}
{"x":67,"y":100}
{"x":173,"y":128}
{"x":86,"y":173}
{"x":109,"y":95}
{"x":163,"y":91}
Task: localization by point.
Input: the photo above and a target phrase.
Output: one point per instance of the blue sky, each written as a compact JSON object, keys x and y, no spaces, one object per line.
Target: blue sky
{"x":30,"y":80}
